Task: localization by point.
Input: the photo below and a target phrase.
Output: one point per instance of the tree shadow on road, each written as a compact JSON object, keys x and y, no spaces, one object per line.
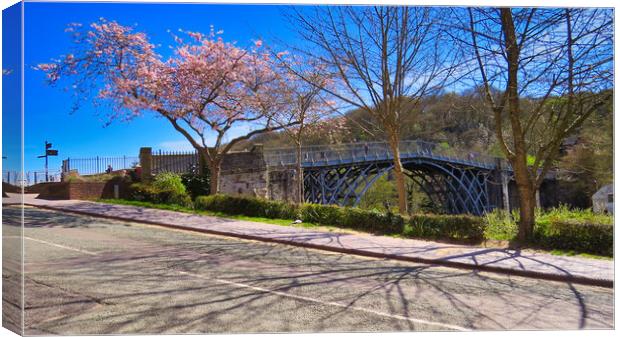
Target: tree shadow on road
{"x":214,"y":285}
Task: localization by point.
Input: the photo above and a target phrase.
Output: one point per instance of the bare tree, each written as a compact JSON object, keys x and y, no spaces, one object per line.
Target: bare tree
{"x":544,"y":71}
{"x":382,"y":57}
{"x":305,"y":105}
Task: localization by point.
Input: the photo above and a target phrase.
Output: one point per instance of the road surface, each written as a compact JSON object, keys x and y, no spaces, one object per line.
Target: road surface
{"x":96,"y":276}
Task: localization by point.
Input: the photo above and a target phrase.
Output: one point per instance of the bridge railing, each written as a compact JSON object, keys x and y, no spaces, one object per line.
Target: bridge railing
{"x":321,"y":155}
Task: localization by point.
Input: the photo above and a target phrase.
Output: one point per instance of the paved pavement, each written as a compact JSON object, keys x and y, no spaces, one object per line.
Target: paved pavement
{"x":517,"y":262}
{"x":90,"y":275}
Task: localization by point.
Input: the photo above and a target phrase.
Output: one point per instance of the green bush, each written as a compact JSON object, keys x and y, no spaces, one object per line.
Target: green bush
{"x":169,"y":182}
{"x":571,"y":235}
{"x":151,"y":193}
{"x":558,"y":228}
{"x":246,"y":206}
{"x":452,"y":227}
{"x":197,"y":183}
{"x":353,"y":218}
{"x":329,"y":215}
{"x":373,"y":221}
{"x":500,"y":225}
{"x":322,"y":214}
{"x":578,"y":216}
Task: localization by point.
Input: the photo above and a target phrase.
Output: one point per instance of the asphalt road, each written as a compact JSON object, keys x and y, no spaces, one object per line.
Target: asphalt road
{"x":93,"y":276}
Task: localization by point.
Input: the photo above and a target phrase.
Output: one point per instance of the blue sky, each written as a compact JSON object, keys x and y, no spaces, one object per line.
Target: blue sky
{"x":11,"y":116}
{"x":82,"y":134}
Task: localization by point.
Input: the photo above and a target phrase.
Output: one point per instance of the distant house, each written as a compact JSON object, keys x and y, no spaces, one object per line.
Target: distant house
{"x":568,"y":144}
{"x":603,"y":200}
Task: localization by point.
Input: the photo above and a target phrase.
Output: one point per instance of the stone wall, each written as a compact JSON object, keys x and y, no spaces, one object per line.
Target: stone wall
{"x":283,"y":184}
{"x":245,"y":173}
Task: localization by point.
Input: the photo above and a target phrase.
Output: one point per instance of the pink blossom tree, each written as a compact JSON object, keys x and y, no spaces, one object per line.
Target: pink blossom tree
{"x":204,"y":89}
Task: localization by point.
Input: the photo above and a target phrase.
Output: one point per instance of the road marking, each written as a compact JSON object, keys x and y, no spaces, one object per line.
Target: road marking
{"x":61,"y":246}
{"x":335,"y":304}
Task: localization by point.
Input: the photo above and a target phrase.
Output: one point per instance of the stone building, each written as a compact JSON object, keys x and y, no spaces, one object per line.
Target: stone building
{"x":603,"y":200}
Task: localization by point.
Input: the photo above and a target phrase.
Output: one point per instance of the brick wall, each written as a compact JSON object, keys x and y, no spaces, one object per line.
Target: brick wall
{"x":59,"y":190}
{"x":93,"y":190}
{"x":78,"y":190}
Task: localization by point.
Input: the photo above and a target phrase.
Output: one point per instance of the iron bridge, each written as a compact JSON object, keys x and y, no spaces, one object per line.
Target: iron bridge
{"x":456,"y":182}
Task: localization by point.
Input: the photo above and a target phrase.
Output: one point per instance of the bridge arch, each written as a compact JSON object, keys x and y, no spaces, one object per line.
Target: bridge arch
{"x":457,"y":181}
{"x":453,"y":188}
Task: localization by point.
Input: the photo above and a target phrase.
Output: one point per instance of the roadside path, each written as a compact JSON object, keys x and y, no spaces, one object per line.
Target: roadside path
{"x":527,"y":263}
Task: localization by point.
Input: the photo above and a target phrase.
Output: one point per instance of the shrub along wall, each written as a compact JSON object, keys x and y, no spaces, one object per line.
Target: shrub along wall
{"x":550,"y":234}
{"x":587,"y":238}
{"x":353,"y":218}
{"x":158,"y":195}
{"x":446,"y":227}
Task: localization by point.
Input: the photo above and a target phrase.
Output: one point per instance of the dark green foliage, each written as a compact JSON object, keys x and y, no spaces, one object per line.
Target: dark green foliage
{"x":374,"y":221}
{"x":446,"y":227}
{"x":196,"y":183}
{"x":322,"y":214}
{"x":354,"y":218}
{"x":586,"y":238}
{"x":151,"y":193}
{"x":344,"y":217}
{"x":246,"y":206}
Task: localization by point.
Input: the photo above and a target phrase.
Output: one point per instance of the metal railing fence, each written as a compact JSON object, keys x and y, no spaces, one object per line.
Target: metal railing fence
{"x":318,"y":155}
{"x":29,"y":178}
{"x":97,"y":165}
{"x":174,"y":161}
{"x":371,"y":151}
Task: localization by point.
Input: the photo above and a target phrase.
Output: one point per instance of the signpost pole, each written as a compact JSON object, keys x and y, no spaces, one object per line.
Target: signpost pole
{"x":48,"y":152}
{"x":46,"y":156}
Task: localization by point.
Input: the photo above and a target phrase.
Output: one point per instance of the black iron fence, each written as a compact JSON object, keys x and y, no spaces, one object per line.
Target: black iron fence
{"x":174,"y":161}
{"x":28,"y":178}
{"x":96,"y":165}
{"x":162,"y":161}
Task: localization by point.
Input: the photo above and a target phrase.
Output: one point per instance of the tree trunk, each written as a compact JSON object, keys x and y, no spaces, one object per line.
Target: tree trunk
{"x":215,"y":167}
{"x":300,"y":176}
{"x":527,"y":207}
{"x":400,"y":177}
{"x":527,"y":196}
{"x":203,"y":166}
{"x":525,"y":183}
